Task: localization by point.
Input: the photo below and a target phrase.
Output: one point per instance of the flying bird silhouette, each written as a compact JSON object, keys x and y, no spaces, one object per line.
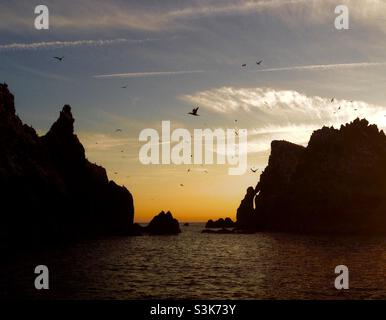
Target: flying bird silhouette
{"x":118,"y":130}
{"x":244,"y":65}
{"x":194,"y":112}
{"x":254,"y":170}
{"x":259,"y":62}
{"x":58,"y":58}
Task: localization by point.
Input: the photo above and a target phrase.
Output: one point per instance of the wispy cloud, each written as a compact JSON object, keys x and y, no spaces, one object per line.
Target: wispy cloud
{"x":147,"y":74}
{"x":104,"y":142}
{"x":284,"y":114}
{"x":229,"y":7}
{"x":77,"y":43}
{"x":284,"y":107}
{"x":98,"y":14}
{"x":260,"y":138}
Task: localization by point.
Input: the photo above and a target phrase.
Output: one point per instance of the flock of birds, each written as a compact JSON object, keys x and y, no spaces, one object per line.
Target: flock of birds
{"x":257,"y":62}
{"x":194,"y":113}
{"x":339,"y":108}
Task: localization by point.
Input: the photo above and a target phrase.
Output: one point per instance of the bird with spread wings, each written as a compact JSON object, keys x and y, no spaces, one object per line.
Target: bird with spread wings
{"x":194,"y":112}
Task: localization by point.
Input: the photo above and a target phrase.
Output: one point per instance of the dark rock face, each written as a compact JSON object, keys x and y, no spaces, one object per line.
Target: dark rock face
{"x":163,"y":224}
{"x":220,"y":223}
{"x":337,"y":184}
{"x":47,"y":186}
{"x":244,"y":213}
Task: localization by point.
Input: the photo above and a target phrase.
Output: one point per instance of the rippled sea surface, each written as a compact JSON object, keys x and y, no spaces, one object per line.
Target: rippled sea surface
{"x":203,"y":266}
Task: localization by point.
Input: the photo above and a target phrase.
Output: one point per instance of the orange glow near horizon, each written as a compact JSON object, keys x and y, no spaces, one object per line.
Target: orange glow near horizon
{"x":208,"y":192}
{"x":203,"y":195}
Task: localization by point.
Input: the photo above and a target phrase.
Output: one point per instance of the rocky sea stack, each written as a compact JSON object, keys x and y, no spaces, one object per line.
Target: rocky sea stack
{"x":163,"y":224}
{"x":48,"y":188}
{"x":220,"y":223}
{"x":337,"y":185}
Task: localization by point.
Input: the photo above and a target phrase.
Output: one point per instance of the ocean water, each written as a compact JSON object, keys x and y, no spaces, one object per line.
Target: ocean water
{"x":193,"y":265}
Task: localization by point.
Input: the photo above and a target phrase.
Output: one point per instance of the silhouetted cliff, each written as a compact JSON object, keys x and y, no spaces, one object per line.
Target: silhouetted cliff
{"x":337,"y":184}
{"x":47,"y":186}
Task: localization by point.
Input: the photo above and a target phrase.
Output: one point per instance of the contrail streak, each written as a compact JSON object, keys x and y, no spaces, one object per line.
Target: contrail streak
{"x":147,"y":74}
{"x":292,"y":68}
{"x":63,"y":44}
{"x":325,"y":66}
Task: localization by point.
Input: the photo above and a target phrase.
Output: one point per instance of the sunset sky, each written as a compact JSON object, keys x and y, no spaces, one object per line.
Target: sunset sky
{"x":176,"y":55}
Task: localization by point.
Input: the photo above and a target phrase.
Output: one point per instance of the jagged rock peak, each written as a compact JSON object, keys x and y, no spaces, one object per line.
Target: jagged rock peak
{"x":164,"y":223}
{"x":7,"y":100}
{"x":362,"y":125}
{"x":65,"y":124}
{"x":357,"y":129}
